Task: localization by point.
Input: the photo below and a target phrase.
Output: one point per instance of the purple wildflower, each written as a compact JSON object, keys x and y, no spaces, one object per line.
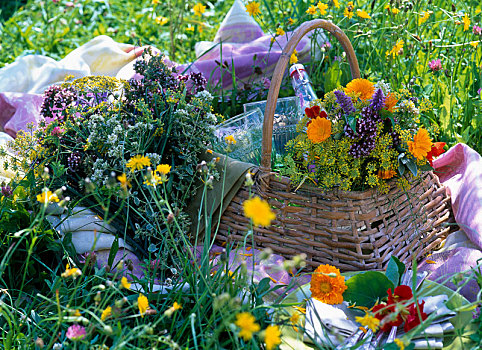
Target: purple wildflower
{"x":378,"y":100}
{"x":266,"y":82}
{"x":478,"y":91}
{"x":312,"y":168}
{"x":76,"y":332}
{"x":345,"y":102}
{"x":89,"y":258}
{"x":477,"y":30}
{"x":435,"y":65}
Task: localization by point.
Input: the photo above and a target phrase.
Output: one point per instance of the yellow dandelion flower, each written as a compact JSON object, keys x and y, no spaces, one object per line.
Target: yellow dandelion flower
{"x":319,"y":130}
{"x":291,"y":21}
{"x":294,"y":57}
{"x":466,"y":21}
{"x":368,"y":321}
{"x":272,"y":337}
{"x":327,"y":285}
{"x":163,"y":169}
{"x":399,"y":343}
{"x":421,"y":144}
{"x":397,"y":49}
{"x":474,"y":43}
{"x":362,"y":14}
{"x":322,"y":7}
{"x":247,"y":324}
{"x":143,"y":304}
{"x":125,"y":283}
{"x":395,"y":11}
{"x":311,"y":10}
{"x":280,"y":31}
{"x":349,"y":10}
{"x":138,"y":162}
{"x":47,"y":197}
{"x":230,"y":140}
{"x":253,"y":8}
{"x":123,"y":180}
{"x":199,"y":9}
{"x":363,"y":87}
{"x":336,"y":3}
{"x":106,"y":313}
{"x":155,"y":2}
{"x":161,"y":20}
{"x":259,"y":211}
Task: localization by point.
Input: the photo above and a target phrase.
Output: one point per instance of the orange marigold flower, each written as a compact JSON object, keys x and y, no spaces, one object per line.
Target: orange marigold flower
{"x":421,"y":144}
{"x":319,"y":130}
{"x":363,"y":87}
{"x":327,"y":285}
{"x":386,"y":174}
{"x":390,"y":102}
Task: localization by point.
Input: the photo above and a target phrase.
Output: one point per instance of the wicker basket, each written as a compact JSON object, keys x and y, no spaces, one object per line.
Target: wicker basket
{"x":350,"y":230}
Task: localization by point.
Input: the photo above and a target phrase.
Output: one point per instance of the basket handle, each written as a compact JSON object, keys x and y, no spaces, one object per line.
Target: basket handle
{"x":280,"y":68}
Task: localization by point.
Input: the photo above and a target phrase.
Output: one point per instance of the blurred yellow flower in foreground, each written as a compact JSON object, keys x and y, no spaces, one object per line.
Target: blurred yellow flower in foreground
{"x":253,"y":8}
{"x":199,"y":9}
{"x":259,"y":211}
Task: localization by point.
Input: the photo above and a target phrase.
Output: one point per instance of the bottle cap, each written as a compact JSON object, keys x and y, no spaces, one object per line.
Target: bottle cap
{"x":296,"y":67}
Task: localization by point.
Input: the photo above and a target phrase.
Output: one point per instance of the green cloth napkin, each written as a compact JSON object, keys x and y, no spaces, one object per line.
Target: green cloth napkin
{"x":232,"y":176}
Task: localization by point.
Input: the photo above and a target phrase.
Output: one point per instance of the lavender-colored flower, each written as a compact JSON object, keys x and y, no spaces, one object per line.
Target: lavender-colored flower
{"x":435,"y":65}
{"x":6,"y":191}
{"x":378,"y":100}
{"x":266,"y":82}
{"x":478,"y":91}
{"x":345,"y":102}
{"x":477,"y":30}
{"x":312,"y":168}
{"x":76,"y":332}
{"x":89,"y":258}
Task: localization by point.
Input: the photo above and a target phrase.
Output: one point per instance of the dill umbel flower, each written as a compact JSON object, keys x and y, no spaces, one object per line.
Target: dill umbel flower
{"x":247,"y":324}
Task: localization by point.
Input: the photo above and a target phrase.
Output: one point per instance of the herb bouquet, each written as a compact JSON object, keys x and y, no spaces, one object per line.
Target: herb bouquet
{"x":360,"y":136}
{"x":133,"y":146}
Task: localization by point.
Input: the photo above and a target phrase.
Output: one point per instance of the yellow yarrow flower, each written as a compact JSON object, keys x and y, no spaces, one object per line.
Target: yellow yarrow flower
{"x":280,"y":31}
{"x":253,"y":8}
{"x":125,"y":283}
{"x":368,"y":321}
{"x":322,"y":7}
{"x":142,"y":304}
{"x":466,"y":21}
{"x":311,"y":10}
{"x":106,"y":313}
{"x":138,"y":162}
{"x":247,"y":323}
{"x":272,"y":337}
{"x":199,"y":9}
{"x":294,"y":57}
{"x":362,"y":14}
{"x":161,"y":20}
{"x":47,"y":197}
{"x":259,"y":211}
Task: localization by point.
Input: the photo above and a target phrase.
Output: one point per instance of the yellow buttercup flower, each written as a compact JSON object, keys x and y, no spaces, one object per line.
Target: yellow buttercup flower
{"x":247,"y":323}
{"x":349,"y":10}
{"x":125,"y":283}
{"x":280,"y":31}
{"x":327,"y":285}
{"x":272,"y":337}
{"x":106,"y":313}
{"x":466,"y":21}
{"x":143,"y":304}
{"x":161,"y":20}
{"x":259,"y":211}
{"x":421,"y":144}
{"x":369,"y":321}
{"x":363,"y":87}
{"x":311,"y":10}
{"x":47,"y":197}
{"x":199,"y":9}
{"x":322,"y":7}
{"x":395,"y":10}
{"x":294,"y":57}
{"x":253,"y":8}
{"x":362,"y":14}
{"x":319,"y":130}
{"x":138,"y":162}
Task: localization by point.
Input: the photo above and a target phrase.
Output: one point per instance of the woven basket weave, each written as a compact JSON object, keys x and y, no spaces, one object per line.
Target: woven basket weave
{"x":350,"y":230}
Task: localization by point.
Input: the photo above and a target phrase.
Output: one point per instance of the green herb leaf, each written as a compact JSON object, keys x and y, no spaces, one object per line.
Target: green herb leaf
{"x":412,"y":167}
{"x":395,"y":270}
{"x":366,"y":288}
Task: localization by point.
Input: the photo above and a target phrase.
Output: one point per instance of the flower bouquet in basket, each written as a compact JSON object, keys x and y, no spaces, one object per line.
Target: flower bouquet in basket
{"x":360,"y":136}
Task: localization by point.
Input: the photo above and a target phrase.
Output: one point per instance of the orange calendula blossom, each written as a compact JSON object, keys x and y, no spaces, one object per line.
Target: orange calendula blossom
{"x":327,"y":285}
{"x":360,"y":86}
{"x":421,"y":144}
{"x":386,"y":174}
{"x":390,"y":102}
{"x":319,"y":130}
